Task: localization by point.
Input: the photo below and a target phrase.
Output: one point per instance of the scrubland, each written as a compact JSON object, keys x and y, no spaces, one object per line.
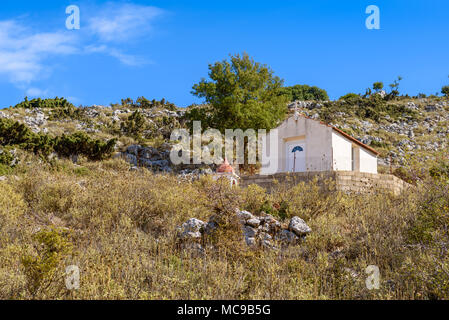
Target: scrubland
{"x":119,"y":228}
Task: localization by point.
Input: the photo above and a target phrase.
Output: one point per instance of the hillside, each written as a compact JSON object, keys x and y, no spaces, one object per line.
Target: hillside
{"x":404,"y":130}
{"x":131,"y":231}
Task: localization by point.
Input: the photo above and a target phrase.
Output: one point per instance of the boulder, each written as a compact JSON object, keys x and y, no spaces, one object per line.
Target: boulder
{"x":191,"y":229}
{"x":251,"y":241}
{"x":249,"y":232}
{"x":287,"y":237}
{"x":256,"y":231}
{"x":299,"y":227}
{"x":254,"y":222}
{"x":245,"y":215}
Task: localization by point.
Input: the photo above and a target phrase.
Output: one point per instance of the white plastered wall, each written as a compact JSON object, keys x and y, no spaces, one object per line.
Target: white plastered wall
{"x":342,"y":152}
{"x":318,"y":145}
{"x":368,"y":161}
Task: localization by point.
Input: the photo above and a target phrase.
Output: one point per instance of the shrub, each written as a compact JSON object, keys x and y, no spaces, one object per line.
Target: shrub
{"x":134,"y":125}
{"x":59,"y":103}
{"x":378,"y":86}
{"x":304,"y":93}
{"x":255,"y":198}
{"x":80,"y":143}
{"x":68,"y":112}
{"x":350,"y":98}
{"x":41,"y":269}
{"x":14,"y":133}
{"x":445,"y":91}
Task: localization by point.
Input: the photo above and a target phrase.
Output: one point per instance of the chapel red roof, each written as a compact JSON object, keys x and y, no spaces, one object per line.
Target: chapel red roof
{"x":225,"y":167}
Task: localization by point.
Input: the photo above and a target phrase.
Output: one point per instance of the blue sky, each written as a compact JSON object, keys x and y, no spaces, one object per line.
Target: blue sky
{"x":159,"y":49}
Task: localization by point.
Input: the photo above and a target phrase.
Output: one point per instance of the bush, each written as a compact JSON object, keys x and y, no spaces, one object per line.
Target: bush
{"x":124,"y":228}
{"x":351,"y":98}
{"x":134,"y":125}
{"x":68,"y":112}
{"x":40,"y":269}
{"x":17,"y":134}
{"x":55,"y":103}
{"x":80,"y":143}
{"x":304,"y":93}
{"x":445,"y":91}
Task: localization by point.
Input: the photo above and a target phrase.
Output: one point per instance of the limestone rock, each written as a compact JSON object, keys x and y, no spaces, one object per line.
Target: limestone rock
{"x":245,"y":215}
{"x":254,"y":222}
{"x":191,"y":229}
{"x":287,"y":237}
{"x":299,"y":227}
{"x":249,"y":232}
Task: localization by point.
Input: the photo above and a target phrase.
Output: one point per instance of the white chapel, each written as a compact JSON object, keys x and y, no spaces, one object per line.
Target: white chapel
{"x":301,"y":144}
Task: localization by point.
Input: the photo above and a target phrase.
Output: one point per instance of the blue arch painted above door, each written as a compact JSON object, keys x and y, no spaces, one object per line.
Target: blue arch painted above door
{"x":297,"y":148}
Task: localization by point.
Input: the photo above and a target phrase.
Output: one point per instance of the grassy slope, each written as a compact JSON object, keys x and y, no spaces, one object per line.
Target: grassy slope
{"x":119,"y":228}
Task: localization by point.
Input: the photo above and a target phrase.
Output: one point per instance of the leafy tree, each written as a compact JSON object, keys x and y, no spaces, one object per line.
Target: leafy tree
{"x":445,"y":90}
{"x":378,"y":86}
{"x":395,"y":87}
{"x":241,"y":93}
{"x":304,"y":92}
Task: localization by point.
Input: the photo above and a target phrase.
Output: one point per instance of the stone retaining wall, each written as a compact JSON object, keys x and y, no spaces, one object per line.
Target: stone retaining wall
{"x":349,"y":181}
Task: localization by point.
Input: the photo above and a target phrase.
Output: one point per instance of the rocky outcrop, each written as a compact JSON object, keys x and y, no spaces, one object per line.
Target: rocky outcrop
{"x":257,"y":231}
{"x":149,"y":157}
{"x":305,"y":105}
{"x":36,"y":120}
{"x":191,"y":229}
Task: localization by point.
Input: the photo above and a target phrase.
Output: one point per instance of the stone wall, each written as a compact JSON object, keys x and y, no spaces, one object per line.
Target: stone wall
{"x":348,"y":181}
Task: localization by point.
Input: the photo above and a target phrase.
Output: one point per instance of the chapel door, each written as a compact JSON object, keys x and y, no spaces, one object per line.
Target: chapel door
{"x":296,"y":156}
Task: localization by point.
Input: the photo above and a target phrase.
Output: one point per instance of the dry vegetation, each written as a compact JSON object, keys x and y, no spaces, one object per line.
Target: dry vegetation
{"x":119,"y":228}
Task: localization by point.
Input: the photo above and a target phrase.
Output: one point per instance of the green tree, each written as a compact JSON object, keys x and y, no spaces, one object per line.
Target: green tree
{"x":395,"y":87}
{"x":241,"y":93}
{"x":378,"y":86}
{"x":304,"y":92}
{"x":445,"y":91}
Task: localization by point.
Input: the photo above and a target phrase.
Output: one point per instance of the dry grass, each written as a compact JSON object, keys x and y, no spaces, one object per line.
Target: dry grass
{"x":121,"y":229}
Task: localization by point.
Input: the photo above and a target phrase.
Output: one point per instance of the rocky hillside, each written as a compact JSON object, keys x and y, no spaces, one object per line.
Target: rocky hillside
{"x":403,"y":130}
{"x":134,"y":234}
{"x":407,"y":130}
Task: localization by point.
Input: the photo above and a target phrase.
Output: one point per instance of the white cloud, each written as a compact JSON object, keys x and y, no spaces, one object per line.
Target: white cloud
{"x":121,"y":22}
{"x":36,"y":92}
{"x":126,"y":59}
{"x":23,"y":53}
{"x":26,"y":54}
